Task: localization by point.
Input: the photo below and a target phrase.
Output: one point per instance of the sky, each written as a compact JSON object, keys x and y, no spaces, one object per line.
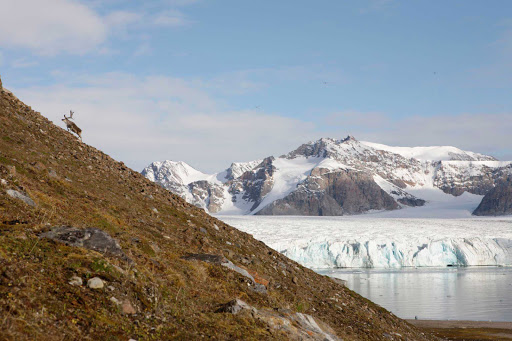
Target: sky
{"x":210,"y":82}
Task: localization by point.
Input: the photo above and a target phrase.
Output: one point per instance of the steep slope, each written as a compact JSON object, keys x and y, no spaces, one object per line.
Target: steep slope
{"x":308,"y":180}
{"x":498,"y":201}
{"x":166,"y":267}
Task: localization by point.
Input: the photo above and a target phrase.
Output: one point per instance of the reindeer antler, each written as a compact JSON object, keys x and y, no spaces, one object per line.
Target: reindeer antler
{"x":71,"y":114}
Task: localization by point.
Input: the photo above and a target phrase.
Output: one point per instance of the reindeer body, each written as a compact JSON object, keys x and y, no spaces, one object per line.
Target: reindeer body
{"x":71,"y":126}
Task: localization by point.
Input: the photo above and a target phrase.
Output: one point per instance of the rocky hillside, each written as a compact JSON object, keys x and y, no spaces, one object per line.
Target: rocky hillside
{"x":332,"y":177}
{"x":498,"y":201}
{"x":90,"y":249}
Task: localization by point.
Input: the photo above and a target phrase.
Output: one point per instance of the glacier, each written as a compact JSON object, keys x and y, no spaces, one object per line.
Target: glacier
{"x":419,"y":252}
{"x":374,"y":241}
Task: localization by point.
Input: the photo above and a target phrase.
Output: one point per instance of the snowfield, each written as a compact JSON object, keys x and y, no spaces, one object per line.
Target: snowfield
{"x":438,"y":153}
{"x":374,"y":241}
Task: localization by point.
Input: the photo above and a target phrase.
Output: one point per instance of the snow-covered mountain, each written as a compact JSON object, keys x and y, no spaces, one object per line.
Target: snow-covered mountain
{"x":334,"y":177}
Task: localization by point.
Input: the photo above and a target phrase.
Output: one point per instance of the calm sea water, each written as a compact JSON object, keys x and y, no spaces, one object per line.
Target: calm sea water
{"x":472,"y":293}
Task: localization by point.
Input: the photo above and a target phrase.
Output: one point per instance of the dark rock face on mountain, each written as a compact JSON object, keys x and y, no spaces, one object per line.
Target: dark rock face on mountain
{"x":455,"y":179}
{"x":210,"y":194}
{"x":413,"y":202}
{"x":497,"y":201}
{"x":327,"y":193}
{"x":256,"y":183}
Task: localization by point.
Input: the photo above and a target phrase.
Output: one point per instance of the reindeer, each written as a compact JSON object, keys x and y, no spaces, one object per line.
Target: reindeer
{"x":71,"y":126}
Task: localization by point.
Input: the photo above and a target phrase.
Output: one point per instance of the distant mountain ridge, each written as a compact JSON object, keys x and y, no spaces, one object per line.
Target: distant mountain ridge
{"x":332,"y":177}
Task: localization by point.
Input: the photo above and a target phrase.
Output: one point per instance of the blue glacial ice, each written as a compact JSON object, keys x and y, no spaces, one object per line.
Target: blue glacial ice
{"x":401,"y":253}
{"x":372,"y":241}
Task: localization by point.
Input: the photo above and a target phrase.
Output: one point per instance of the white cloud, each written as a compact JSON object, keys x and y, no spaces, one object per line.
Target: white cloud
{"x":140,"y":120}
{"x":120,"y":20}
{"x":251,"y":80}
{"x":171,"y":18}
{"x":143,"y":49}
{"x":23,"y":63}
{"x":50,"y":27}
{"x":143,"y":119}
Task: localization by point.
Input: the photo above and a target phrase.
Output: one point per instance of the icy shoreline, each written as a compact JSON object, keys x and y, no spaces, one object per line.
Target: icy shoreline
{"x":367,"y":242}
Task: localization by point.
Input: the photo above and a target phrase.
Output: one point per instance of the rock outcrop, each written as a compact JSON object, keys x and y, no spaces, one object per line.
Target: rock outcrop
{"x":295,"y":326}
{"x":331,"y":193}
{"x":89,"y":238}
{"x":498,"y":201}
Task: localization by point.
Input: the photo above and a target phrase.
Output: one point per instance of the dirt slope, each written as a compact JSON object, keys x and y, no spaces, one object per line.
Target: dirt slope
{"x":152,"y":290}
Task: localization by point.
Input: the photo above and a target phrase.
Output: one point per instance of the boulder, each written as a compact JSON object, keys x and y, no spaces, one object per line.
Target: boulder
{"x":221,"y":260}
{"x":89,"y":238}
{"x":21,"y":196}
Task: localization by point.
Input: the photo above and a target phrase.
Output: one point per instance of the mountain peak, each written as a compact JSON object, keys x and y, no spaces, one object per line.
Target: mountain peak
{"x":349,"y":138}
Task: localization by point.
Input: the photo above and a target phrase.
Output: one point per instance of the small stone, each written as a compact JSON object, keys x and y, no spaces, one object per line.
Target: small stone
{"x":111,"y":288}
{"x":235,"y":306}
{"x":127,"y":308}
{"x":76,"y":281}
{"x":52,"y":173}
{"x":259,"y":288}
{"x":203,"y":230}
{"x":154,"y":210}
{"x":3,"y":182}
{"x":155,"y":247}
{"x":95,"y":283}
{"x":229,"y":253}
{"x":295,"y":280}
{"x":115,"y":301}
{"x":216,"y":227}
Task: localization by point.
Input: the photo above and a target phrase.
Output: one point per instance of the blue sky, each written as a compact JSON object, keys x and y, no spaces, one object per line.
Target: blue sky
{"x":210,"y":82}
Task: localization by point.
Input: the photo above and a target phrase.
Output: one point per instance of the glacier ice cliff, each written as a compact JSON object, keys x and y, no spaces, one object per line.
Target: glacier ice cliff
{"x":373,"y":241}
{"x":420,"y":252}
